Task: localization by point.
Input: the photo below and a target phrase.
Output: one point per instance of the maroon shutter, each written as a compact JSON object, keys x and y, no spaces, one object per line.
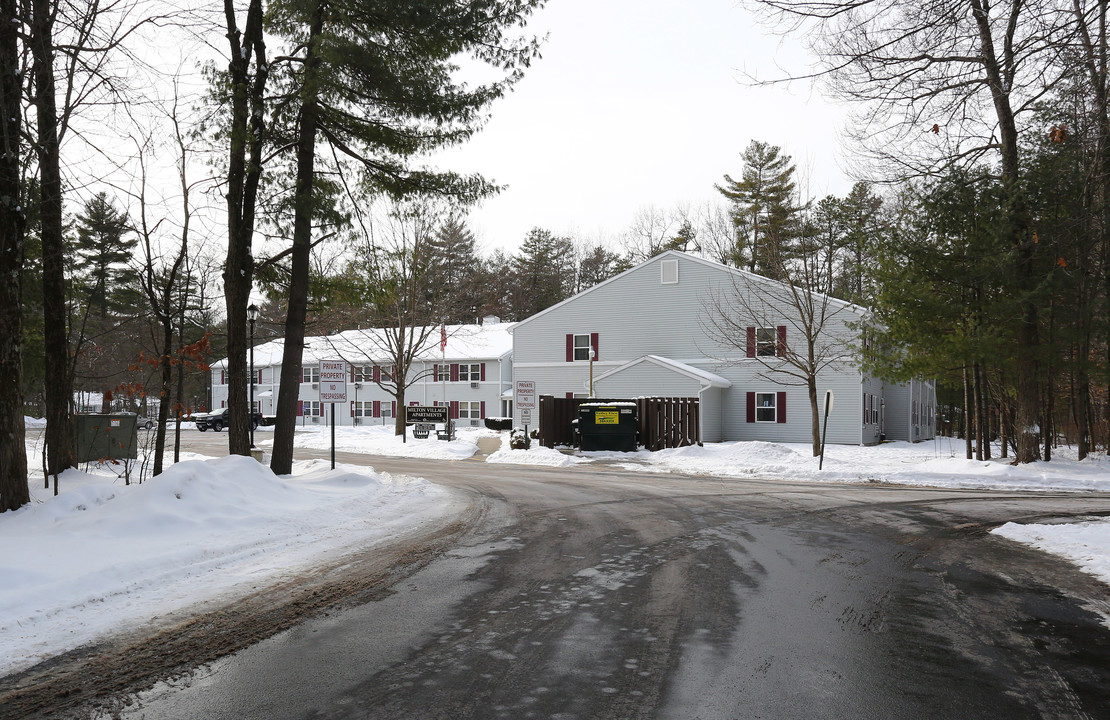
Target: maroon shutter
{"x":435,"y":372}
{"x":593,"y":344}
{"x":454,"y":372}
{"x":781,"y":413}
{"x":483,"y":409}
{"x":751,"y":347}
{"x":781,"y":349}
{"x":223,"y":377}
{"x":377,"y":408}
{"x":352,"y":371}
{"x":570,"y":396}
{"x":393,"y":407}
{"x":483,"y":372}
{"x":300,"y":408}
{"x":570,"y":347}
{"x":751,"y":407}
{"x":413,"y":402}
{"x":377,"y":374}
{"x":352,"y":408}
{"x":454,"y":412}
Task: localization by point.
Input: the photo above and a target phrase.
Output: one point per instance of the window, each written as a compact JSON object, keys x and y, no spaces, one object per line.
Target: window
{"x":310,"y":374}
{"x":364,"y":373}
{"x":443,"y":373}
{"x":765,"y":342}
{"x":669,"y":272}
{"x":765,"y":407}
{"x":363,"y":408}
{"x":387,"y":409}
{"x":387,"y":373}
{"x":581,"y":347}
{"x":470,"y":410}
{"x":313,"y":408}
{"x":468,"y":373}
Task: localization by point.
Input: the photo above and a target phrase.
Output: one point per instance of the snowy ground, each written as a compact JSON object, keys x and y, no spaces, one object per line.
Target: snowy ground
{"x":103,"y":554}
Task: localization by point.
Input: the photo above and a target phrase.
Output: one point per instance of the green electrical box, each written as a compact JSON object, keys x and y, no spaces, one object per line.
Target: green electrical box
{"x":101,"y":437}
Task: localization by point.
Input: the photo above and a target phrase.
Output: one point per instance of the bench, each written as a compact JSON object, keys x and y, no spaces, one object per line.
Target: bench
{"x":448,"y":431}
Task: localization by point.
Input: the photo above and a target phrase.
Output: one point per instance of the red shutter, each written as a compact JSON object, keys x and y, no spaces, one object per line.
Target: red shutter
{"x":454,"y":372}
{"x":377,"y":408}
{"x":781,"y":413}
{"x":781,"y":349}
{"x":300,"y":408}
{"x":751,"y":406}
{"x":413,"y":403}
{"x":454,"y":412}
{"x":223,"y":377}
{"x":352,"y":408}
{"x":393,"y":407}
{"x":483,"y":409}
{"x":377,"y":374}
{"x":570,"y":347}
{"x":352,"y":371}
{"x":435,"y":373}
{"x":483,"y":372}
{"x":570,"y":396}
{"x":751,"y":348}
{"x":593,"y":344}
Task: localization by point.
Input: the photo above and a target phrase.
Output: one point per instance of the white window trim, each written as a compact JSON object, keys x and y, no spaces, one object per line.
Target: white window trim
{"x":774,"y":341}
{"x":774,"y":406}
{"x":663,"y":267}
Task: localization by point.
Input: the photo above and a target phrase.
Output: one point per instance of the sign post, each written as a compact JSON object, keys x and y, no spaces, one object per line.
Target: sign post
{"x":526,"y":401}
{"x":825,"y":428}
{"x":333,"y":389}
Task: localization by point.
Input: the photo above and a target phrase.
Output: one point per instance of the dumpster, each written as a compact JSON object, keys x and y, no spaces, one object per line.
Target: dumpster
{"x":607,"y":426}
{"x":106,"y":436}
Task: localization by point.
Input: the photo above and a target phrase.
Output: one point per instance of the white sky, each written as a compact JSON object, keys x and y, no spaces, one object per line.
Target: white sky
{"x":638,"y":103}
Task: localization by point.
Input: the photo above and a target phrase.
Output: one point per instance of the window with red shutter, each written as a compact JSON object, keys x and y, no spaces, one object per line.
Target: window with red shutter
{"x":750,"y":352}
{"x":780,"y":348}
{"x":781,"y":416}
{"x":751,"y":403}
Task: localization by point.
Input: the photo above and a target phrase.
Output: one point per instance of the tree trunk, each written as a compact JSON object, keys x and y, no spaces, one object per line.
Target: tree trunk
{"x":61,"y":443}
{"x":14,"y":492}
{"x":977,"y":400}
{"x":282,"y":459}
{"x":167,"y":385}
{"x":967,"y":414}
{"x":243,"y":174}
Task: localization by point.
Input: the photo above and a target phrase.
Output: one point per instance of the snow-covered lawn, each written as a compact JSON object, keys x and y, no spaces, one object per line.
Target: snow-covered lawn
{"x":102,"y":555}
{"x":380,"y":440}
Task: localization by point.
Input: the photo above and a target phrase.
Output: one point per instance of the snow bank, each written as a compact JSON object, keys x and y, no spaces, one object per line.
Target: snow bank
{"x":103,"y":555}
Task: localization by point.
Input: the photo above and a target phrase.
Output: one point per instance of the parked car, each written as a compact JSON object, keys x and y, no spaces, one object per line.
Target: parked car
{"x":218,"y":420}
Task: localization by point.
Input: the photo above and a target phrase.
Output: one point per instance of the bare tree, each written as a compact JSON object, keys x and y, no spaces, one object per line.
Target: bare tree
{"x":794,"y":332}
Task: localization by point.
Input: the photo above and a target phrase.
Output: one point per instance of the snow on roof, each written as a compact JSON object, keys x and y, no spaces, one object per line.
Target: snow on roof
{"x":464,"y":342}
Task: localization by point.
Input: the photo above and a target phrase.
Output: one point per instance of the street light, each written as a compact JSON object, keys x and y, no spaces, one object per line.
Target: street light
{"x":593,"y":354}
{"x":252,"y":315}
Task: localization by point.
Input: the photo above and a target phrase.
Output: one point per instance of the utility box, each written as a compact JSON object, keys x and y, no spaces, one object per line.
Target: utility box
{"x":607,"y":426}
{"x":106,"y":436}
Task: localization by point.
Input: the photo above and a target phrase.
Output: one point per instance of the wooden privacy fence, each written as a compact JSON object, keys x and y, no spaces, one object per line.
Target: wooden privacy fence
{"x":663,"y":422}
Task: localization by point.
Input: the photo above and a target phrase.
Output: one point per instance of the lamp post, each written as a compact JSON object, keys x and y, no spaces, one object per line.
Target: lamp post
{"x":252,"y":316}
{"x":593,"y":354}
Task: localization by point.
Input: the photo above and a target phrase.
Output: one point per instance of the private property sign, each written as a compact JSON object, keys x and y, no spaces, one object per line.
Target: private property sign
{"x":333,"y":381}
{"x":526,"y":394}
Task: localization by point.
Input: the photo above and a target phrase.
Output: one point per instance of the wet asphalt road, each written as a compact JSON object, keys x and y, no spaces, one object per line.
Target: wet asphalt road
{"x":613,"y":593}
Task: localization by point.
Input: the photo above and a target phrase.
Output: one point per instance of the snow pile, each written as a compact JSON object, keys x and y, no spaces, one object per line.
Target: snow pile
{"x":102,"y":554}
{"x":1086,"y":544}
{"x":380,"y":440}
{"x":535,"y":455}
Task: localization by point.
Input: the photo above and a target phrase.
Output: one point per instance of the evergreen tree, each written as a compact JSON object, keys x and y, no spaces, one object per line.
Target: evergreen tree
{"x":598,"y":264}
{"x":763,"y":202}
{"x":453,"y":278}
{"x":862,"y":226}
{"x":102,"y":251}
{"x":543,"y":271}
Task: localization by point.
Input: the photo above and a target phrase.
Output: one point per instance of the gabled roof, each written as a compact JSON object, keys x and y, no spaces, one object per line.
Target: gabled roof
{"x":677,"y":254}
{"x":706,"y":378}
{"x":491,"y":341}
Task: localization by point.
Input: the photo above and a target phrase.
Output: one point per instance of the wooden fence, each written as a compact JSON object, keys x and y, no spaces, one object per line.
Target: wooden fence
{"x":663,"y":422}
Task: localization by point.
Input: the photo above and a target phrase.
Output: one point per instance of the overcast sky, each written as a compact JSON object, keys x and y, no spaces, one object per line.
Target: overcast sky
{"x":637,"y":103}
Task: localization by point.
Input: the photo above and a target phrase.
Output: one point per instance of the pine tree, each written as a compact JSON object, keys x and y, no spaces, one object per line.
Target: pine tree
{"x":453,"y":278}
{"x":102,"y":251}
{"x":763,"y":201}
{"x":544,"y":272}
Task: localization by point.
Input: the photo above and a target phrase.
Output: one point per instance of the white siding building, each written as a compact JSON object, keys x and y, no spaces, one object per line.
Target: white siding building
{"x":650,"y":332}
{"x":472,"y":375}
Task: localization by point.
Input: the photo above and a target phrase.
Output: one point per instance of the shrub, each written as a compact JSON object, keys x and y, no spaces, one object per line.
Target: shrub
{"x":519,"y":440}
{"x":499,"y":423}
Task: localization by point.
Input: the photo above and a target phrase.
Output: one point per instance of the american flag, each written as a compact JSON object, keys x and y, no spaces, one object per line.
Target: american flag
{"x":443,"y":338}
